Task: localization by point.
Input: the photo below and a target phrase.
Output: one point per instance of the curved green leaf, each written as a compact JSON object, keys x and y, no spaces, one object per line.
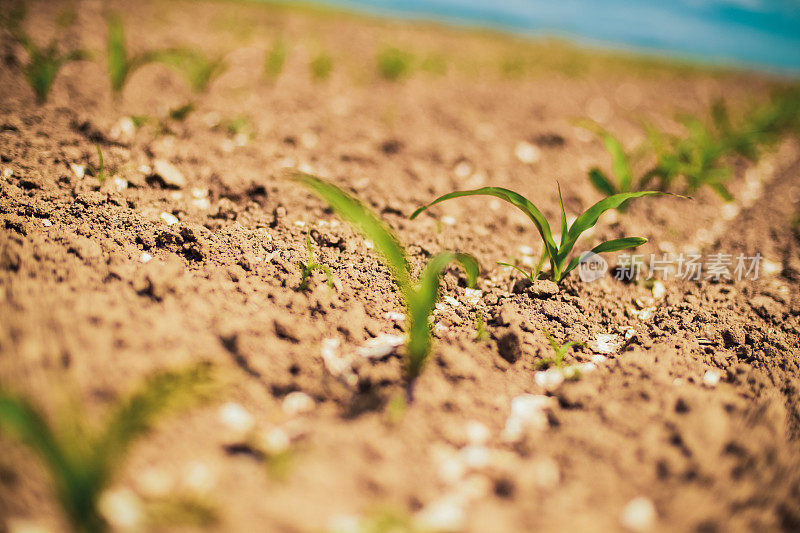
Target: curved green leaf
{"x":613,"y":245}
{"x":518,"y":200}
{"x":601,"y":182}
{"x":352,"y":210}
{"x":619,"y":161}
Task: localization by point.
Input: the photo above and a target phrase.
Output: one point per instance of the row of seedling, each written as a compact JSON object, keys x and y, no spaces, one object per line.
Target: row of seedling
{"x":199,"y":69}
{"x":700,"y":157}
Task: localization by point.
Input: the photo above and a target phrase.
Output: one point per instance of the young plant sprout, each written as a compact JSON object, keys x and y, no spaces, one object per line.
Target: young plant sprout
{"x":533,"y":275}
{"x":558,"y":254}
{"x":419,"y":295}
{"x":275,"y":59}
{"x":622,"y":178}
{"x":198,"y":69}
{"x":321,"y":66}
{"x":99,"y":171}
{"x":83,"y":459}
{"x":394,"y":63}
{"x":43,"y":63}
{"x":121,"y":65}
{"x":559,"y":351}
{"x":306,"y":269}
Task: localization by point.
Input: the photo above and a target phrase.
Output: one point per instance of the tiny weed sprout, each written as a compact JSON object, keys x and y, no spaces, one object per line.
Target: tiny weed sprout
{"x":394,"y":63}
{"x":83,"y":459}
{"x":43,"y":63}
{"x":420,"y":295}
{"x":307,"y":269}
{"x":559,"y":351}
{"x":275,"y":59}
{"x":100,"y":170}
{"x":558,"y":254}
{"x":321,"y":66}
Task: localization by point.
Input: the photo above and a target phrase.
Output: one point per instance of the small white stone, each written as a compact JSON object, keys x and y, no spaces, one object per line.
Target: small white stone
{"x":169,"y":173}
{"x":300,"y":223}
{"x":275,"y":440}
{"x":123,"y":129}
{"x":394,"y":316}
{"x":145,"y":257}
{"x":445,"y":515}
{"x":368,"y":244}
{"x":236,"y":418}
{"x":7,"y":172}
{"x":526,"y":406}
{"x":296,"y":403}
{"x":121,"y":508}
{"x":199,"y":193}
{"x":477,"y":433}
{"x":78,"y":170}
{"x":525,"y":250}
{"x":659,"y":290}
{"x":606,"y":343}
{"x":711,"y":378}
{"x":145,"y":169}
{"x":169,"y":218}
{"x":473,"y":296}
{"x":452,"y":469}
{"x":438,"y":329}
{"x":448,"y":220}
{"x":598,"y":359}
{"x":381,"y":346}
{"x":46,"y":222}
{"x":307,"y":168}
{"x":452,"y":301}
{"x":527,"y":152}
{"x":770,"y":267}
{"x":639,"y":514}
{"x":462,"y":170}
{"x":199,"y":477}
{"x":201,"y":203}
{"x":549,"y":379}
{"x":476,"y":456}
{"x":120,"y":184}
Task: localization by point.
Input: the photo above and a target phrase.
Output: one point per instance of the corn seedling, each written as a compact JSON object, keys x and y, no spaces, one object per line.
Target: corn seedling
{"x":558,"y":254}
{"x":122,"y":65}
{"x":83,"y":459}
{"x":394,"y":63}
{"x":308,"y":268}
{"x":559,"y":351}
{"x":321,"y":66}
{"x":275,"y":59}
{"x":43,"y":63}
{"x":622,"y":178}
{"x":98,"y":171}
{"x":198,"y":69}
{"x":419,"y":295}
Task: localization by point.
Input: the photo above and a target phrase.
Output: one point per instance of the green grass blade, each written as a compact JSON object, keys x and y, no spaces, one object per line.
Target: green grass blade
{"x":118,"y":67}
{"x":564,"y":228}
{"x":422,"y":301}
{"x":528,"y":275}
{"x":601,"y":182}
{"x":518,"y":200}
{"x":352,"y":210}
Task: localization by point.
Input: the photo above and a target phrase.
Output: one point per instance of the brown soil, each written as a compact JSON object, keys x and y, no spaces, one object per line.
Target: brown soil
{"x":79,"y":306}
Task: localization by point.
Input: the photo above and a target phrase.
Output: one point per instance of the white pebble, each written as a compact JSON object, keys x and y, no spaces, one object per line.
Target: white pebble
{"x":394,"y":316}
{"x":169,"y":218}
{"x":659,"y":290}
{"x":462,"y":170}
{"x":236,"y":418}
{"x":445,"y":515}
{"x":527,"y":406}
{"x":472,"y":296}
{"x":527,"y":152}
{"x":711,"y":378}
{"x":296,"y":403}
{"x":121,"y":508}
{"x":549,"y":379}
{"x":477,"y":432}
{"x":448,"y":220}
{"x":770,"y":267}
{"x":145,"y":257}
{"x":606,"y":343}
{"x":46,"y":222}
{"x":452,"y":301}
{"x":78,"y":170}
{"x":525,"y":250}
{"x":381,"y":346}
{"x":639,"y":514}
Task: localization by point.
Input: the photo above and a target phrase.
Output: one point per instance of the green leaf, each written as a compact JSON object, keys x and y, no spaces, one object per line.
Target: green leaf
{"x":518,"y":200}
{"x":564,"y":228}
{"x":601,"y":182}
{"x":589,"y":218}
{"x":352,"y":210}
{"x":613,"y":245}
{"x":423,"y":300}
{"x":619,"y":161}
